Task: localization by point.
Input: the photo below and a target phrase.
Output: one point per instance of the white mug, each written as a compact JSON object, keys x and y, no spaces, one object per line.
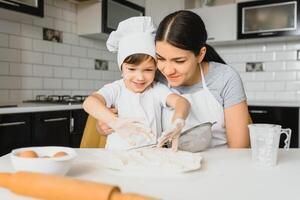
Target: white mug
{"x":265,"y":142}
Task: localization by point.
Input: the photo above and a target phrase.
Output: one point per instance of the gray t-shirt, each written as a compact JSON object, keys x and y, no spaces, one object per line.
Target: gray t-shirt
{"x":224,"y":83}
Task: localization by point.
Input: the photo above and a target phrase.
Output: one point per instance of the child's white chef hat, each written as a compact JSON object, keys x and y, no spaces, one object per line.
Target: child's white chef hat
{"x":133,"y":35}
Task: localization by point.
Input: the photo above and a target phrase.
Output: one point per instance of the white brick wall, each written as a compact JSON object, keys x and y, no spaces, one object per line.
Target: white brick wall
{"x":30,"y":66}
{"x":280,"y":80}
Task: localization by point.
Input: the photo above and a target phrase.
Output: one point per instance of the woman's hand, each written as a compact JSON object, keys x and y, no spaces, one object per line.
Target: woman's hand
{"x":103,"y":127}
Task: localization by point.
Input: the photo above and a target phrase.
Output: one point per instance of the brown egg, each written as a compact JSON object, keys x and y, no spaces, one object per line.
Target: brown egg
{"x":60,"y":154}
{"x":28,"y":154}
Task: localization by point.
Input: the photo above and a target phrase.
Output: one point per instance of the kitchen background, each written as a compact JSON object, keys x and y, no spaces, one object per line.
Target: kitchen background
{"x":30,"y":65}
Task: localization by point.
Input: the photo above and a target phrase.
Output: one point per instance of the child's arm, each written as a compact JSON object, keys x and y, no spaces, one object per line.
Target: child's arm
{"x":180,"y":105}
{"x":95,"y":105}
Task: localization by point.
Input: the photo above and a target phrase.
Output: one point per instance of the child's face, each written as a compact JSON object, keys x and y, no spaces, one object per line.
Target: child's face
{"x":138,"y":77}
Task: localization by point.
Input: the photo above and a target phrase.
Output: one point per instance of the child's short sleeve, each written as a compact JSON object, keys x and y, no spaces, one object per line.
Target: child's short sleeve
{"x":162,"y":92}
{"x":110,"y":93}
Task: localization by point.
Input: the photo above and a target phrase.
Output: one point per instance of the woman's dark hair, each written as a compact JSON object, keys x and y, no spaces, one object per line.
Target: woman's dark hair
{"x":186,"y":30}
{"x":137,"y":58}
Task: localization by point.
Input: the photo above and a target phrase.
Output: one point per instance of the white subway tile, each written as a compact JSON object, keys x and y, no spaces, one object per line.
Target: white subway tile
{"x":79,"y":51}
{"x":264,"y":76}
{"x":31,"y":31}
{"x":264,"y":95}
{"x":44,"y":22}
{"x":49,"y":2}
{"x":298,"y":75}
{"x":93,"y":74}
{"x":62,"y":92}
{"x":50,"y":59}
{"x":74,"y":28}
{"x":41,"y":92}
{"x":297,"y":96}
{"x":93,"y":53}
{"x":286,"y":55}
{"x":52,"y":11}
{"x":20,"y":69}
{"x":267,"y":56}
{"x":69,"y":16}
{"x":70,"y":61}
{"x":62,"y":72}
{"x":62,"y":4}
{"x":63,"y":49}
{"x":106,"y":55}
{"x":32,"y":57}
{"x":292,"y":65}
{"x":274,"y":66}
{"x":293,"y":85}
{"x":51,"y":83}
{"x":117,"y":75}
{"x":10,"y":55}
{"x":254,"y":86}
{"x":247,"y":76}
{"x":275,"y":86}
{"x":42,"y":46}
{"x":10,"y":82}
{"x":70,"y":38}
{"x":70,"y":84}
{"x":86,"y":85}
{"x":280,"y":46}
{"x":113,"y":66}
{"x":99,"y":84}
{"x":20,"y":95}
{"x":20,"y":42}
{"x":3,"y":40}
{"x":293,"y":45}
{"x":259,"y":47}
{"x":4,"y":68}
{"x":240,"y":67}
{"x":285,"y":96}
{"x":18,"y":17}
{"x":80,"y":92}
{"x":62,"y":25}
{"x":98,"y":44}
{"x":4,"y":96}
{"x":86,"y":42}
{"x":9,"y":27}
{"x":250,"y":96}
{"x":285,"y":75}
{"x":31,"y":83}
{"x":87,"y":63}
{"x":42,"y":70}
{"x":108,"y":75}
{"x":79,"y":73}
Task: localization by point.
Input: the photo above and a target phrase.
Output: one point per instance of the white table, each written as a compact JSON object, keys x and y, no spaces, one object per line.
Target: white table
{"x":225,"y":174}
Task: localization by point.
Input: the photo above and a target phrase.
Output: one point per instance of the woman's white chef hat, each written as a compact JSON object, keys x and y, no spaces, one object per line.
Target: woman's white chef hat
{"x":133,"y":35}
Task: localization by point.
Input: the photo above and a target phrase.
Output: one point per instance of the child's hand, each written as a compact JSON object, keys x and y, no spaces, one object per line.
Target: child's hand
{"x":172,"y":134}
{"x":130,"y":128}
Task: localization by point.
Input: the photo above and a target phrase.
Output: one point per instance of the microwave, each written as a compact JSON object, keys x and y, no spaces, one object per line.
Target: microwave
{"x":32,"y":7}
{"x":268,"y":18}
{"x":115,"y":11}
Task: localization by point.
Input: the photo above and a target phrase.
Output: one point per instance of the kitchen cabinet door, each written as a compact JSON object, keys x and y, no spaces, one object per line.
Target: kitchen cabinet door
{"x":78,"y":120}
{"x":15,"y":132}
{"x":220,"y":22}
{"x":287,"y":117}
{"x":51,"y":128}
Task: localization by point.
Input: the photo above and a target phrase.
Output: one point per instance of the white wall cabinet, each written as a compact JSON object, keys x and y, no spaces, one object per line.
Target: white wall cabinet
{"x":220,"y":22}
{"x":158,"y":9}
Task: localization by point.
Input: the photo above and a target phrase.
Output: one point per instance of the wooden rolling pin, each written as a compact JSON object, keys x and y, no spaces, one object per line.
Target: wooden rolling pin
{"x":53,"y":187}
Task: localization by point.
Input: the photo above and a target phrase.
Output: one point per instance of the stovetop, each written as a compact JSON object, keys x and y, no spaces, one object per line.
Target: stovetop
{"x":58,"y":99}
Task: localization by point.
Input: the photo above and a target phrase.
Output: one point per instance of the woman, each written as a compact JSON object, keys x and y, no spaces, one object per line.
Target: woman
{"x":192,"y":68}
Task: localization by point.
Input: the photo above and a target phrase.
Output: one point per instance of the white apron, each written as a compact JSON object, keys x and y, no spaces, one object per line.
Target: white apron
{"x":204,"y":108}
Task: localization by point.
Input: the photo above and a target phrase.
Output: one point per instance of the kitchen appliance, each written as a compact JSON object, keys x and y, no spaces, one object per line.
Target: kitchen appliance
{"x":58,"y":99}
{"x":32,"y":7}
{"x":115,"y":11}
{"x":268,"y":18}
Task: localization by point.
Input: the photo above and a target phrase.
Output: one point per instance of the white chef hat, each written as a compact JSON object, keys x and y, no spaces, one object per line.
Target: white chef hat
{"x":133,"y":35}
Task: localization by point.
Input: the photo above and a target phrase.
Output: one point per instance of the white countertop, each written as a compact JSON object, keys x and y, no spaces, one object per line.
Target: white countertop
{"x":36,"y":107}
{"x":275,"y":103}
{"x":225,"y":174}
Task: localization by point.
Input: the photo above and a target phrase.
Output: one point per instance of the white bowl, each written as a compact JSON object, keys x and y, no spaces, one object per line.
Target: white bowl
{"x":51,"y":165}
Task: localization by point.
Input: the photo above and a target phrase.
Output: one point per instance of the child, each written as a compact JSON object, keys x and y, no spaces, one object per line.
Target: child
{"x":137,"y":97}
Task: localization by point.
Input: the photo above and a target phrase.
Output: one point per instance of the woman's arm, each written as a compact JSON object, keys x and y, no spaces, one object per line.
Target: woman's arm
{"x":180,"y":104}
{"x":236,"y":122}
{"x":95,"y":105}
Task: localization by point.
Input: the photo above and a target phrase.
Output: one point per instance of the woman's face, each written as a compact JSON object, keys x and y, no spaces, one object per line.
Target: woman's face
{"x":139,"y":77}
{"x":180,"y":67}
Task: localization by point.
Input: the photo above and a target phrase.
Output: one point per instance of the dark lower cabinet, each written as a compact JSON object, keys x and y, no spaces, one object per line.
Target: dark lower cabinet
{"x":15,"y":132}
{"x":51,"y":128}
{"x":77,"y":124}
{"x":287,"y":117}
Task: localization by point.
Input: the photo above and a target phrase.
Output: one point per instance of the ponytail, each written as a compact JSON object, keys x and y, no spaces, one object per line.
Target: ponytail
{"x":212,"y":55}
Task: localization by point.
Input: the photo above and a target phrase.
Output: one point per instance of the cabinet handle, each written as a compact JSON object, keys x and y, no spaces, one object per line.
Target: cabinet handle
{"x":71,"y":125}
{"x":55,"y":119}
{"x":12,"y":123}
{"x":258,"y":111}
{"x":211,"y":38}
